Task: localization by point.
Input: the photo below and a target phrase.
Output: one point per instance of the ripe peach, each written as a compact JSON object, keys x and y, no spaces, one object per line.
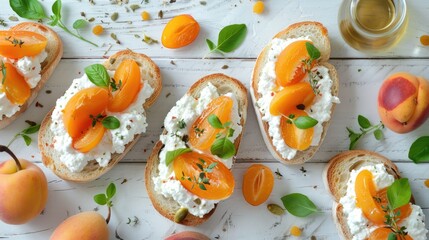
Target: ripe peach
{"x":187,"y":235}
{"x":403,"y":102}
{"x":83,"y":226}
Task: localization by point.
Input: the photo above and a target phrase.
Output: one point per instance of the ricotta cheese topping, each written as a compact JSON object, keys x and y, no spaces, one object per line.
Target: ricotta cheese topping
{"x":29,"y":68}
{"x":133,"y":121}
{"x":188,"y":109}
{"x":320,"y":109}
{"x":356,"y":221}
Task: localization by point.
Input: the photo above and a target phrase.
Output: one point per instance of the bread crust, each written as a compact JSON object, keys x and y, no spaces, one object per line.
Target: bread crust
{"x":150,"y":74}
{"x":54,"y":49}
{"x":322,"y":43}
{"x":167,"y":207}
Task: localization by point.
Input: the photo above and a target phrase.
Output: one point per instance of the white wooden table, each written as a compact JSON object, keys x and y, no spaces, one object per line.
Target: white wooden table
{"x":360,"y":74}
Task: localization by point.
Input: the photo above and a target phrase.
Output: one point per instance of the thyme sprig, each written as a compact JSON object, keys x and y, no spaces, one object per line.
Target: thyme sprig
{"x":14,"y":41}
{"x":202,"y":179}
{"x":308,"y":63}
{"x":365,"y":128}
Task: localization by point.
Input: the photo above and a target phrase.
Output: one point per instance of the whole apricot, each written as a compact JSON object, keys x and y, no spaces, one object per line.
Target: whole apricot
{"x":403,"y":102}
{"x":180,"y":31}
{"x":187,"y":235}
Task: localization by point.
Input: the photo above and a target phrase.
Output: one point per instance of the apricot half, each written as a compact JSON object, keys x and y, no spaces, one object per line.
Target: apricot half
{"x":258,"y":182}
{"x":188,"y":169}
{"x":180,"y":31}
{"x":89,"y":139}
{"x":299,"y":139}
{"x":287,"y":100}
{"x":16,"y":88}
{"x":383,"y":233}
{"x":18,"y":44}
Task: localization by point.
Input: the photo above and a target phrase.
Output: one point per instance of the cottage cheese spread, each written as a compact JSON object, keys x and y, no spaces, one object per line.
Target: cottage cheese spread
{"x":356,"y":221}
{"x":30,"y":68}
{"x":133,"y":121}
{"x":188,"y":109}
{"x":320,"y":109}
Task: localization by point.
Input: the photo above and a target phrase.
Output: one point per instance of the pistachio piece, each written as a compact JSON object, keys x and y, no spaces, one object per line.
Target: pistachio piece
{"x":275,"y":209}
{"x":180,"y":215}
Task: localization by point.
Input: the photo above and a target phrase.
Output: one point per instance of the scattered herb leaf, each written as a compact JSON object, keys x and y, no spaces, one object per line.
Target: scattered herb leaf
{"x":24,"y":134}
{"x":365,"y":128}
{"x":299,"y":205}
{"x":229,"y":39}
{"x":419,"y":150}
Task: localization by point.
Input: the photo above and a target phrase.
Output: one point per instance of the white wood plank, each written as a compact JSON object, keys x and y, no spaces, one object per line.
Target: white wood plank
{"x":212,"y":17}
{"x":233,"y":219}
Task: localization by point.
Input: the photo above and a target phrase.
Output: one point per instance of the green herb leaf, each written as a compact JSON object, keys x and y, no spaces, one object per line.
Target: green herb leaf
{"x":231,"y":132}
{"x":363,"y":122}
{"x":215,"y":121}
{"x":3,"y":72}
{"x":31,"y":129}
{"x":98,"y":75}
{"x":171,"y":155}
{"x":299,"y":205}
{"x":56,"y":8}
{"x":27,"y":139}
{"x":29,"y":9}
{"x":111,"y":190}
{"x":80,"y":23}
{"x":100,"y":199}
{"x":378,"y":134}
{"x":229,"y":39}
{"x":181,"y":124}
{"x":392,"y":236}
{"x":223,"y":148}
{"x":313,"y":52}
{"x":419,"y":150}
{"x":399,"y":193}
{"x":304,"y":122}
{"x":111,"y":122}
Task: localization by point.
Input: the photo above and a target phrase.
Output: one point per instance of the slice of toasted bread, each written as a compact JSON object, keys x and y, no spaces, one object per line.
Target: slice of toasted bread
{"x":51,"y":158}
{"x":337,"y":173}
{"x":54,"y":49}
{"x":167,"y":206}
{"x":318,"y":34}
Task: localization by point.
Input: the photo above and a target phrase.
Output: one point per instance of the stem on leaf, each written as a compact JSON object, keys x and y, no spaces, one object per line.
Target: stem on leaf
{"x":108,"y":214}
{"x":6,"y":149}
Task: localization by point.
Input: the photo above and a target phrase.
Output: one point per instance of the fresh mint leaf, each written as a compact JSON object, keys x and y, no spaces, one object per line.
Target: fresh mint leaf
{"x":56,"y":9}
{"x":100,"y":199}
{"x":31,"y":129}
{"x":215,"y":121}
{"x":299,"y":205}
{"x":399,"y":193}
{"x":304,"y":122}
{"x":363,"y":122}
{"x":419,"y":150}
{"x":29,"y":9}
{"x":171,"y":155}
{"x":111,"y":190}
{"x":98,"y":75}
{"x":223,"y":148}
{"x":27,"y":139}
{"x":80,"y":23}
{"x":229,"y":39}
{"x":313,"y":52}
{"x":111,"y":122}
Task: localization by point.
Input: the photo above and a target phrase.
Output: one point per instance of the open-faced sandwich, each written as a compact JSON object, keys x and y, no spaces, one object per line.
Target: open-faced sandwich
{"x":294,"y":91}
{"x":29,"y":53}
{"x":188,"y":172}
{"x":100,"y":117}
{"x":371,"y":200}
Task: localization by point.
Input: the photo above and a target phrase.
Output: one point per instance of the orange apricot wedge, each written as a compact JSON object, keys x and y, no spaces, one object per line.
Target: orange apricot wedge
{"x":216,"y":184}
{"x":90,"y":139}
{"x":79,"y":109}
{"x":18,"y":44}
{"x":289,"y":67}
{"x":16,"y":88}
{"x":383,"y":233}
{"x":202,"y":134}
{"x":180,"y":31}
{"x":258,"y":183}
{"x":128,"y":81}
{"x":299,"y":139}
{"x":287,"y":100}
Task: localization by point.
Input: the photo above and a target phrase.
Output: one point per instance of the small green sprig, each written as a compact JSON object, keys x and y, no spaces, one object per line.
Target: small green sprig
{"x":365,"y":128}
{"x":106,"y":199}
{"x":14,"y":41}
{"x":314,"y":54}
{"x":109,"y":122}
{"x":115,"y":87}
{"x":202,"y":180}
{"x":222,"y":146}
{"x":301,"y":122}
{"x":33,"y":128}
{"x":3,"y":72}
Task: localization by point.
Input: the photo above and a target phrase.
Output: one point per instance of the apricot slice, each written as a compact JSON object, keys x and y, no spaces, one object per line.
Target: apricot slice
{"x":202,"y":134}
{"x":383,"y":233}
{"x":180,"y":31}
{"x":18,"y":44}
{"x":287,"y":100}
{"x":79,"y":109}
{"x":90,"y":139}
{"x":258,"y":182}
{"x":128,"y":81}
{"x":299,"y":139}
{"x":371,"y":201}
{"x":290,"y":67}
{"x":187,"y":168}
{"x":16,"y":88}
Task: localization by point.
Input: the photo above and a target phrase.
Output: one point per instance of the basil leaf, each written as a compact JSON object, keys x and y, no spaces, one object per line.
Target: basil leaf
{"x":98,"y":75}
{"x":29,"y":9}
{"x":363,"y":122}
{"x":392,"y":236}
{"x":304,"y":122}
{"x":399,"y":193}
{"x":231,"y":132}
{"x":56,"y":8}
{"x":27,"y":139}
{"x":31,"y":129}
{"x":100,"y":199}
{"x":378,"y":134}
{"x":80,"y":23}
{"x":111,"y":122}
{"x":171,"y":155}
{"x":313,"y":52}
{"x":299,"y":205}
{"x":111,"y":190}
{"x":215,"y":121}
{"x":210,"y":44}
{"x":419,"y":150}
{"x":230,"y":38}
{"x":223,"y":148}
